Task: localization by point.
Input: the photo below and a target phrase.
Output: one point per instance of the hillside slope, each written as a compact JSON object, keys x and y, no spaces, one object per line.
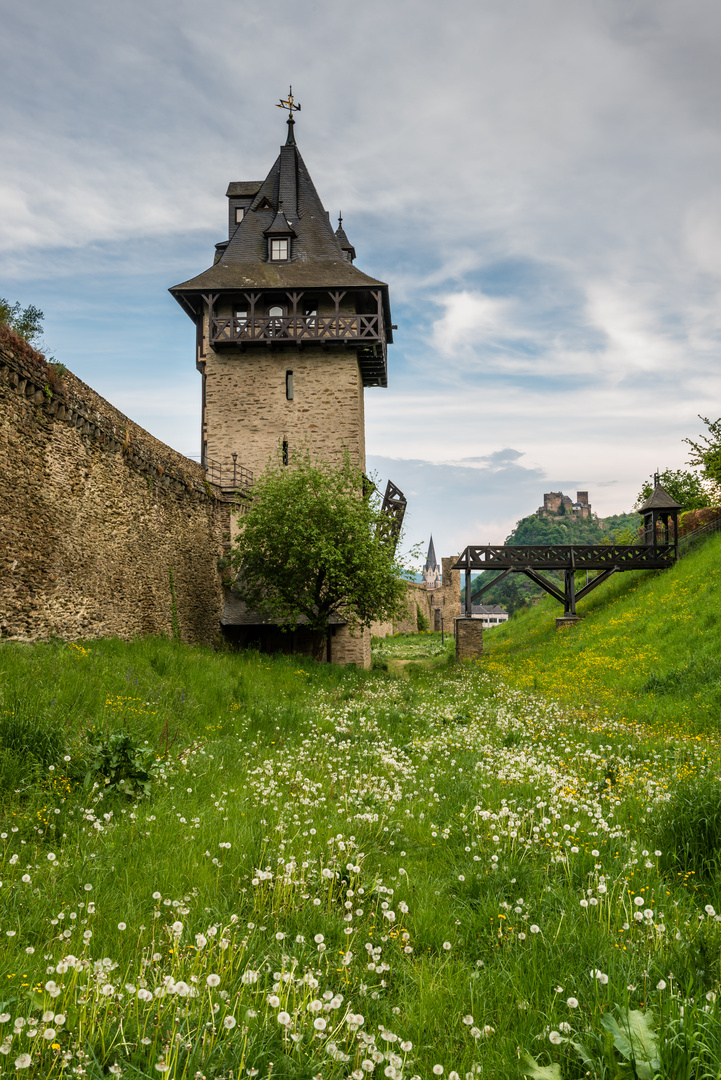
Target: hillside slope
{"x":649,"y":647}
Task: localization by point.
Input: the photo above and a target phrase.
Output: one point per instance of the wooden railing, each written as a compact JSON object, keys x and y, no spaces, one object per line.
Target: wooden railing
{"x":567,"y":557}
{"x":309,"y":328}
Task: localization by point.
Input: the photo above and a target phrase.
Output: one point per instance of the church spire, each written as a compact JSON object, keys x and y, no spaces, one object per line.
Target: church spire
{"x":431,"y":571}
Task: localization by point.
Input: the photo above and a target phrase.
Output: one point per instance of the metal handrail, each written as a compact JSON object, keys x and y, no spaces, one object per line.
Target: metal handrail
{"x":233,"y":476}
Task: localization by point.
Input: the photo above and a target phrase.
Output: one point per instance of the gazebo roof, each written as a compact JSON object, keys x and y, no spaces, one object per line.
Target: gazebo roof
{"x":659,"y":499}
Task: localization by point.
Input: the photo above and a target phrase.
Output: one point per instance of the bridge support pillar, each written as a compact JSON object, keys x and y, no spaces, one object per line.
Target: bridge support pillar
{"x":567,"y":620}
{"x":469,"y":638}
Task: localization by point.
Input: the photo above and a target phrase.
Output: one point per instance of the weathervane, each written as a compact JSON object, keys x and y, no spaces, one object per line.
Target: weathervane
{"x":289,"y":103}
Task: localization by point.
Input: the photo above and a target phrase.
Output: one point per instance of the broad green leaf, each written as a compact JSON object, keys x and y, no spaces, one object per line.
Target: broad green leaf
{"x":636,"y":1040}
{"x":583,"y":1053}
{"x":541,"y":1072}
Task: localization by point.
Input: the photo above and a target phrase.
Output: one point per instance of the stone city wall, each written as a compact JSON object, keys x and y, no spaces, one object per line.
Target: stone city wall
{"x":104,"y":530}
{"x":444,"y":601}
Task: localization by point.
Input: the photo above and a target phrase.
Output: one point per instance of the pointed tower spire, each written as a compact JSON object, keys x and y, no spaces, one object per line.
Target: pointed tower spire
{"x":346,"y":246}
{"x":431,"y":561}
{"x":431,"y":571}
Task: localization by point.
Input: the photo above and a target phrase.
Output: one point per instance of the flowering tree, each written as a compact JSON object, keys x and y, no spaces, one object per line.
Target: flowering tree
{"x":310,"y":547}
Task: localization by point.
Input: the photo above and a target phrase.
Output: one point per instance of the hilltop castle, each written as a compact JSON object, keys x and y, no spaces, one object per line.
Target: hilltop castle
{"x":556,"y":504}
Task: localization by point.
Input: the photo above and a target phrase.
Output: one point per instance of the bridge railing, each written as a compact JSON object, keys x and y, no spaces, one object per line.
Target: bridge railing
{"x":566,"y":557}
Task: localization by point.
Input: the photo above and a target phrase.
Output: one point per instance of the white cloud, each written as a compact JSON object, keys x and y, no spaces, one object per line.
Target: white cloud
{"x":468,"y":316}
{"x":536,"y":182}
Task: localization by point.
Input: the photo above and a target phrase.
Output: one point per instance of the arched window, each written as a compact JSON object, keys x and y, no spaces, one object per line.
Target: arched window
{"x":276,"y":318}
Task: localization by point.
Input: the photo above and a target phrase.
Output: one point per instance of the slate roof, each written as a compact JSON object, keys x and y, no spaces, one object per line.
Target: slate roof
{"x":237,"y":613}
{"x":318,"y":260}
{"x":243,"y":187}
{"x":659,"y":500}
{"x":431,"y":561}
{"x":340,"y":235}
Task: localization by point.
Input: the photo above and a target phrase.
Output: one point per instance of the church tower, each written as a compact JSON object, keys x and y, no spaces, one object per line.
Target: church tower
{"x":289,"y":331}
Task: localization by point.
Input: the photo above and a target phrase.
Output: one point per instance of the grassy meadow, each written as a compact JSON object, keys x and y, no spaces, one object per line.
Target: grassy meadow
{"x":648,"y":648}
{"x":221,"y":865}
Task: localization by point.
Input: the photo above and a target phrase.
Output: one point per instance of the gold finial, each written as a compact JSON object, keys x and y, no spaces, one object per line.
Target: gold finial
{"x":289,"y":103}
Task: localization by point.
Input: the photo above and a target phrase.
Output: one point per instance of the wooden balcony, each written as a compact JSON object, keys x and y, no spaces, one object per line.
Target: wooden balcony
{"x":311,"y":329}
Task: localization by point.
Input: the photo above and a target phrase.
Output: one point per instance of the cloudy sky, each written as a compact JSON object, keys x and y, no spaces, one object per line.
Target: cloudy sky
{"x":537,"y":180}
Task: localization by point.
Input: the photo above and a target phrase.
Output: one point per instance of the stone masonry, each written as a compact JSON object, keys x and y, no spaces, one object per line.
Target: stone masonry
{"x":469,"y":639}
{"x":247,"y":412}
{"x":96,"y":516}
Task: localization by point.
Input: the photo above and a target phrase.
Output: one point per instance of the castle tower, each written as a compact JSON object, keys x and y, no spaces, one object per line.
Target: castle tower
{"x":289,"y":331}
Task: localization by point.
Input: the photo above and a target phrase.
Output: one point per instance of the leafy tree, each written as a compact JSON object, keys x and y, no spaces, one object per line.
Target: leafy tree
{"x":538,"y":529}
{"x":622,"y":528}
{"x":27,"y":322}
{"x":310,"y":547}
{"x":706,"y":453}
{"x":514,"y":592}
{"x":686,"y":487}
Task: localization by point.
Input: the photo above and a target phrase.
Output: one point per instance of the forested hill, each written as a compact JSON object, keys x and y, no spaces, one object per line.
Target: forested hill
{"x":517,"y":591}
{"x":564,"y":529}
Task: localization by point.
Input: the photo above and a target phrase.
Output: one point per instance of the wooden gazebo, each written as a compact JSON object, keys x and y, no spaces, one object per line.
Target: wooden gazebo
{"x":661,"y":508}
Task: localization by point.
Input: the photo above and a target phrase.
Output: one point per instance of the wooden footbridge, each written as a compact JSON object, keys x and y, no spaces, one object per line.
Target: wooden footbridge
{"x":533,"y":560}
{"x":658,"y":551}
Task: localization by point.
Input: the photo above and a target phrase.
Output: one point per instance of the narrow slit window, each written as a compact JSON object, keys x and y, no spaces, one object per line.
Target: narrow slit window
{"x":289,"y":385}
{"x":285,"y":452}
{"x":239,"y":214}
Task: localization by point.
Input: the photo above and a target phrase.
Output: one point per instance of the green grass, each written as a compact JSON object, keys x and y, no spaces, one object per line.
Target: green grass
{"x":434,"y":866}
{"x":648,"y":648}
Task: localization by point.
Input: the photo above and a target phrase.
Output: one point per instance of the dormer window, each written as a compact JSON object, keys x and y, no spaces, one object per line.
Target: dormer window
{"x":239,"y":214}
{"x":279,"y":233}
{"x":279,"y":249}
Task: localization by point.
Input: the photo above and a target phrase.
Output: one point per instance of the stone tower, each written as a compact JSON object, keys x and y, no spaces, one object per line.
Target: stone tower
{"x":288,"y":331}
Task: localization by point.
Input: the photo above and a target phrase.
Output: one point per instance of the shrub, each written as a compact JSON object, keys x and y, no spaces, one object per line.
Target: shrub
{"x":123,"y":764}
{"x":421,"y":621}
{"x":689,"y":830}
